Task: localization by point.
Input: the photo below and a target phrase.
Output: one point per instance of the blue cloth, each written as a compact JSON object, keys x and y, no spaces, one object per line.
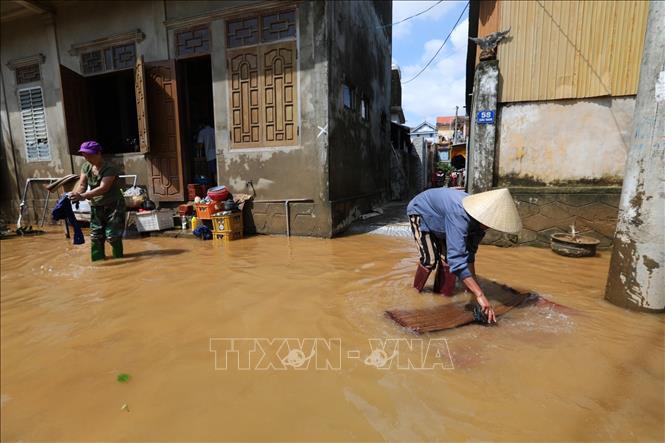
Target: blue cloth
{"x":203,"y":232}
{"x":63,"y":211}
{"x":442,"y":214}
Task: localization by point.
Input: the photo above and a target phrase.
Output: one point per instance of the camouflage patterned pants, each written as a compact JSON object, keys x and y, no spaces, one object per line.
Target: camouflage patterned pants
{"x":107,"y":222}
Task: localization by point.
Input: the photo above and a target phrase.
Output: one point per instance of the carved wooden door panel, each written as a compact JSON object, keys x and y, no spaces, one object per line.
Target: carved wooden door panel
{"x":263,"y":98}
{"x":244,"y":98}
{"x":165,"y":173}
{"x":141,"y":105}
{"x":279,"y":100}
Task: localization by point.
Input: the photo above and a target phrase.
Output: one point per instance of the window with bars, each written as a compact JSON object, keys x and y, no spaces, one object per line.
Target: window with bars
{"x":33,"y":116}
{"x":108,"y":59}
{"x":192,"y":41}
{"x":27,"y":74}
{"x":262,"y":80}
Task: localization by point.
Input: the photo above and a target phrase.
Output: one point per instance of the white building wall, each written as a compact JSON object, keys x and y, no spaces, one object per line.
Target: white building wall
{"x":563,"y":141}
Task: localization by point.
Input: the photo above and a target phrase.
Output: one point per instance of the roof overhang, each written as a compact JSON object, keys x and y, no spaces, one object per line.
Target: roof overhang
{"x":16,"y":9}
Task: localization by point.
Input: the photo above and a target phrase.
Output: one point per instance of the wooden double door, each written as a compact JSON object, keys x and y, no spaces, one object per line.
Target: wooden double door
{"x":159,"y":128}
{"x":157,"y":113}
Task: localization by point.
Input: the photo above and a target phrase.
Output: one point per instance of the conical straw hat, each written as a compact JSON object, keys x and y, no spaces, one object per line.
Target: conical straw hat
{"x":495,"y":209}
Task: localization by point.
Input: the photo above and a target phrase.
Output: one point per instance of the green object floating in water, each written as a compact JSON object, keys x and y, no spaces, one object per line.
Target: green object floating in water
{"x":123,"y":378}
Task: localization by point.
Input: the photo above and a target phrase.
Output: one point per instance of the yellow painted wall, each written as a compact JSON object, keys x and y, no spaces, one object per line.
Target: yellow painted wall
{"x":457,"y":151}
{"x":570,"y":49}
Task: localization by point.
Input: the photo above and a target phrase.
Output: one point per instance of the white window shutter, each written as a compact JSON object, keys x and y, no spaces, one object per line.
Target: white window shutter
{"x":35,"y":132}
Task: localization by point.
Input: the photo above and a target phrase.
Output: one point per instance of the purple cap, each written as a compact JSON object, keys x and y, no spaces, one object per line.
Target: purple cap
{"x":90,"y":147}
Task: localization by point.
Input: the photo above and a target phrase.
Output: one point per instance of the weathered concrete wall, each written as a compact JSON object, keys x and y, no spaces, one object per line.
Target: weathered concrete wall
{"x":360,"y":55}
{"x":482,"y":146}
{"x":298,"y":172}
{"x":548,"y":210}
{"x":24,"y":38}
{"x":81,"y":22}
{"x":565,"y":141}
{"x":192,"y":8}
{"x":8,"y":177}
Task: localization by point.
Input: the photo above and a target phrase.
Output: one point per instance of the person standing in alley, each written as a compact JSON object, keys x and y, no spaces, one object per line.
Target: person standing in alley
{"x":448,"y":225}
{"x":206,"y":138}
{"x":107,"y":204}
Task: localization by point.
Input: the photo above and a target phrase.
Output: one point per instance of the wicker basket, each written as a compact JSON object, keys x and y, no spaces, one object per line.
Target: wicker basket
{"x":154,"y":221}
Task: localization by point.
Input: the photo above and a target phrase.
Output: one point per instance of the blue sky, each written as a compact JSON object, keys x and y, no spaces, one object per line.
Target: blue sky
{"x":442,"y":85}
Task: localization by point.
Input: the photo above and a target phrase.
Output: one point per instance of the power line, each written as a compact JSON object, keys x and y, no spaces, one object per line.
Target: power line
{"x":409,"y":18}
{"x":440,"y":47}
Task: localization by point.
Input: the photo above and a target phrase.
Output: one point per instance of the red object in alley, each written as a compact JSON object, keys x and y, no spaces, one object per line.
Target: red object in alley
{"x":186,"y":209}
{"x":196,"y":190}
{"x":218,"y":193}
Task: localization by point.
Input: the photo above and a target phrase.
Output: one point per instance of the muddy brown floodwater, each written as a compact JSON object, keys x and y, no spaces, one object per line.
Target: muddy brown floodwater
{"x":69,"y":328}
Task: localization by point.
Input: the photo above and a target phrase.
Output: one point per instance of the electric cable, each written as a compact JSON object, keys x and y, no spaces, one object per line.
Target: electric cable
{"x":440,"y":47}
{"x":409,"y":18}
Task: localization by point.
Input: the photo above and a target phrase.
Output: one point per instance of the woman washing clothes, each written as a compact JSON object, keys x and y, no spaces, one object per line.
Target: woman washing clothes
{"x":448,"y":226}
{"x":107,"y":204}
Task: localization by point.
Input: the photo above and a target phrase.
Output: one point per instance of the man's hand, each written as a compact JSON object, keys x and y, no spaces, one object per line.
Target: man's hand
{"x":487,"y":308}
{"x":76,"y":197}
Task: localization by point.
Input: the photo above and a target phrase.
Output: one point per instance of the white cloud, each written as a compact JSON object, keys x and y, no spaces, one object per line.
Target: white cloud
{"x":431,"y":47}
{"x":460,"y":36}
{"x":404,"y":9}
{"x":442,"y":85}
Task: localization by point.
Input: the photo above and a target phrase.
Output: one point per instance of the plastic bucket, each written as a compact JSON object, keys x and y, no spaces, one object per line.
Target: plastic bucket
{"x":218,"y":193}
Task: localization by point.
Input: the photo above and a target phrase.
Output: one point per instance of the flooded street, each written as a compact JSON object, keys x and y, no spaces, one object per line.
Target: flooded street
{"x":68,"y":328}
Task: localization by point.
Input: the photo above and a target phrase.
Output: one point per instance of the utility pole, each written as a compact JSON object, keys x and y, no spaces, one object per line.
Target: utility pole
{"x":482,"y":145}
{"x":637,"y":268}
{"x":455,"y":126}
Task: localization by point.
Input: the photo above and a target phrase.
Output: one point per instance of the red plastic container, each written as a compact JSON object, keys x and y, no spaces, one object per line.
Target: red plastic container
{"x":218,"y":193}
{"x":186,"y":209}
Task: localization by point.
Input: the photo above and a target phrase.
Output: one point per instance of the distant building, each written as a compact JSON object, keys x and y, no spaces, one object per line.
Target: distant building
{"x":448,"y":130}
{"x":424,"y":130}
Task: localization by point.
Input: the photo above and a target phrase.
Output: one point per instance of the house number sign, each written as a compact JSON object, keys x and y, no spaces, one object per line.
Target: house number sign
{"x":485,"y":117}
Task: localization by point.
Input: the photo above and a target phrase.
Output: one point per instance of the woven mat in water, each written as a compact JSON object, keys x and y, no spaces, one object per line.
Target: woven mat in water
{"x":450,"y":314}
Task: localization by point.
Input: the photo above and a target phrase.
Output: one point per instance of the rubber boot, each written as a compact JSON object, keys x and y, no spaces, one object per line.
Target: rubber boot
{"x":116,"y":246}
{"x":97,"y":250}
{"x":422,"y":273}
{"x":444,"y":280}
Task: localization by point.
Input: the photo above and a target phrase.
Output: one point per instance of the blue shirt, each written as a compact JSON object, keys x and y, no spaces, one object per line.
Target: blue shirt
{"x":442,"y":214}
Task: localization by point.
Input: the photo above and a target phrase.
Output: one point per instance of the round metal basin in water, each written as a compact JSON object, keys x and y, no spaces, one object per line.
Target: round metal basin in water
{"x":569,"y":246}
